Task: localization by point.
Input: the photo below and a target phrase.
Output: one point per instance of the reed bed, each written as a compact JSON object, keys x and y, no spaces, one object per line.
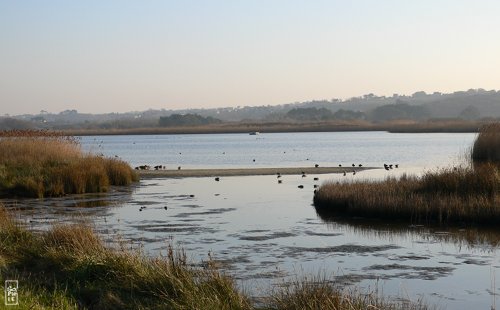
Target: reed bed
{"x":487,"y":145}
{"x":42,"y":163}
{"x":462,"y":195}
{"x":459,"y":195}
{"x":319,"y":293}
{"x":69,"y":267}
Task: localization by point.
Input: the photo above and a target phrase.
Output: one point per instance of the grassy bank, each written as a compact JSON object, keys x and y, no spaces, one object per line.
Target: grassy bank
{"x":465,"y":195}
{"x":41,"y":163}
{"x":70,"y":267}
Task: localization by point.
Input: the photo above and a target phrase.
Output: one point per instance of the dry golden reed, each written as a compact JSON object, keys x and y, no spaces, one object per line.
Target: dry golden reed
{"x":42,"y":163}
{"x":455,"y":195}
{"x":460,"y":195}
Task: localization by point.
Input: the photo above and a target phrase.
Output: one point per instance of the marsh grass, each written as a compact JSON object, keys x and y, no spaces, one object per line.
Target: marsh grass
{"x":461,"y":195}
{"x":319,"y":293}
{"x":41,"y":163}
{"x":487,"y":145}
{"x":69,"y":267}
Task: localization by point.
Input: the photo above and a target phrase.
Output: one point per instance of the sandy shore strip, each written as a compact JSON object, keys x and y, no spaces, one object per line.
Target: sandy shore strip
{"x":184,"y":173}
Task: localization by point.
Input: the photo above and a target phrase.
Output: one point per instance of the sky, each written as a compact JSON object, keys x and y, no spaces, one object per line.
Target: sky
{"x":99,"y":56}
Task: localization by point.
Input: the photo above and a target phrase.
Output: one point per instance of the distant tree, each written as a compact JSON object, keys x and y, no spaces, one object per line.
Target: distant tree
{"x":186,"y":120}
{"x":309,"y":114}
{"x":38,"y":119}
{"x":348,"y":115}
{"x":399,"y":110}
{"x":419,"y":94}
{"x":469,"y":113}
{"x":12,"y":123}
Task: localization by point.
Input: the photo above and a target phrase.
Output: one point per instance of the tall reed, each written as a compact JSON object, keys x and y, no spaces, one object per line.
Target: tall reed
{"x":41,"y":163}
{"x":454,"y":195}
{"x":487,"y":145}
{"x":464,"y":195}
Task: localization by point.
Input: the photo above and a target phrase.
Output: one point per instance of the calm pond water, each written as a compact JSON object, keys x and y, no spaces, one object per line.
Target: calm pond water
{"x":265,"y":233}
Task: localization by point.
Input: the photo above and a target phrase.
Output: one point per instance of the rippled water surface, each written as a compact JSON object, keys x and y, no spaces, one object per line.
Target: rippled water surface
{"x":265,"y":233}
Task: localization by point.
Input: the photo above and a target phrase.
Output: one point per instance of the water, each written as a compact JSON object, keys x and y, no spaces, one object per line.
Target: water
{"x":265,"y":233}
{"x":283,"y":149}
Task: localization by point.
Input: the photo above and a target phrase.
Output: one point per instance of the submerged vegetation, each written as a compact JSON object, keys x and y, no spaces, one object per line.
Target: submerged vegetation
{"x":70,"y":267}
{"x":462,"y":195}
{"x":42,"y":163}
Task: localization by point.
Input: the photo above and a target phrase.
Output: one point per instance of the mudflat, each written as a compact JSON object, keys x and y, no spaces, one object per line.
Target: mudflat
{"x":183,"y":173}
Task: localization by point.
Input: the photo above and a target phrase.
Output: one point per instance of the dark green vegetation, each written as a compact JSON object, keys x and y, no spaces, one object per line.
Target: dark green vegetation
{"x":40,"y":164}
{"x":69,"y":267}
{"x":186,"y":120}
{"x":460,"y":195}
{"x":487,"y":145}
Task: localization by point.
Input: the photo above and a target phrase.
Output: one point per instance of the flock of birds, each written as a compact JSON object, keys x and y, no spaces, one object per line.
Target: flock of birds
{"x":315,"y":186}
{"x":278,"y":175}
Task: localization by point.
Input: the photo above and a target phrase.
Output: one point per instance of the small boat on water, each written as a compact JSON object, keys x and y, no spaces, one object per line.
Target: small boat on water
{"x":254,"y":133}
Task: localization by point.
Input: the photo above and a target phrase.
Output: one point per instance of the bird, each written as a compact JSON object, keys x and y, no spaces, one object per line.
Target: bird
{"x":165,"y":207}
{"x":179,"y":168}
{"x":316,"y":165}
{"x":316,"y":179}
{"x":354,"y":172}
{"x":315,"y":186}
{"x":280,"y":181}
{"x":345,"y":173}
{"x":390,"y":166}
{"x":217,"y":179}
{"x":340,"y":165}
{"x":353,"y":165}
{"x":303,"y":175}
{"x":300,"y":186}
{"x":254,"y":160}
{"x":360,"y":165}
{"x":279,"y":176}
{"x":396,"y":165}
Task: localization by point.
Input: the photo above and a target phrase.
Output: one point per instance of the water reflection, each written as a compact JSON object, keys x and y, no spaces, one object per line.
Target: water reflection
{"x":42,"y":213}
{"x":484,"y":238}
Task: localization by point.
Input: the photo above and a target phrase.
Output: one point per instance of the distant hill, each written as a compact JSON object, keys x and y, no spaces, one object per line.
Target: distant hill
{"x":420,"y":106}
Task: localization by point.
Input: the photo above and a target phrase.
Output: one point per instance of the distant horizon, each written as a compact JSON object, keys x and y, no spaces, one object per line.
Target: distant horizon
{"x":226,"y":107}
{"x":120,"y":56}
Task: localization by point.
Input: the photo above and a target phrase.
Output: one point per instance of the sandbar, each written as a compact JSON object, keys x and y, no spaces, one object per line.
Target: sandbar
{"x":184,"y":173}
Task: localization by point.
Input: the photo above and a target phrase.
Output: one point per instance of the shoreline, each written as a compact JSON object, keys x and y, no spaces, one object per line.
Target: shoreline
{"x":218,"y":172}
{"x":448,"y":126}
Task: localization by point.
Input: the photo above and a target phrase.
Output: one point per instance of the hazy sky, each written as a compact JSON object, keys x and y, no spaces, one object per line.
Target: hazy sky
{"x":115,"y":56}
